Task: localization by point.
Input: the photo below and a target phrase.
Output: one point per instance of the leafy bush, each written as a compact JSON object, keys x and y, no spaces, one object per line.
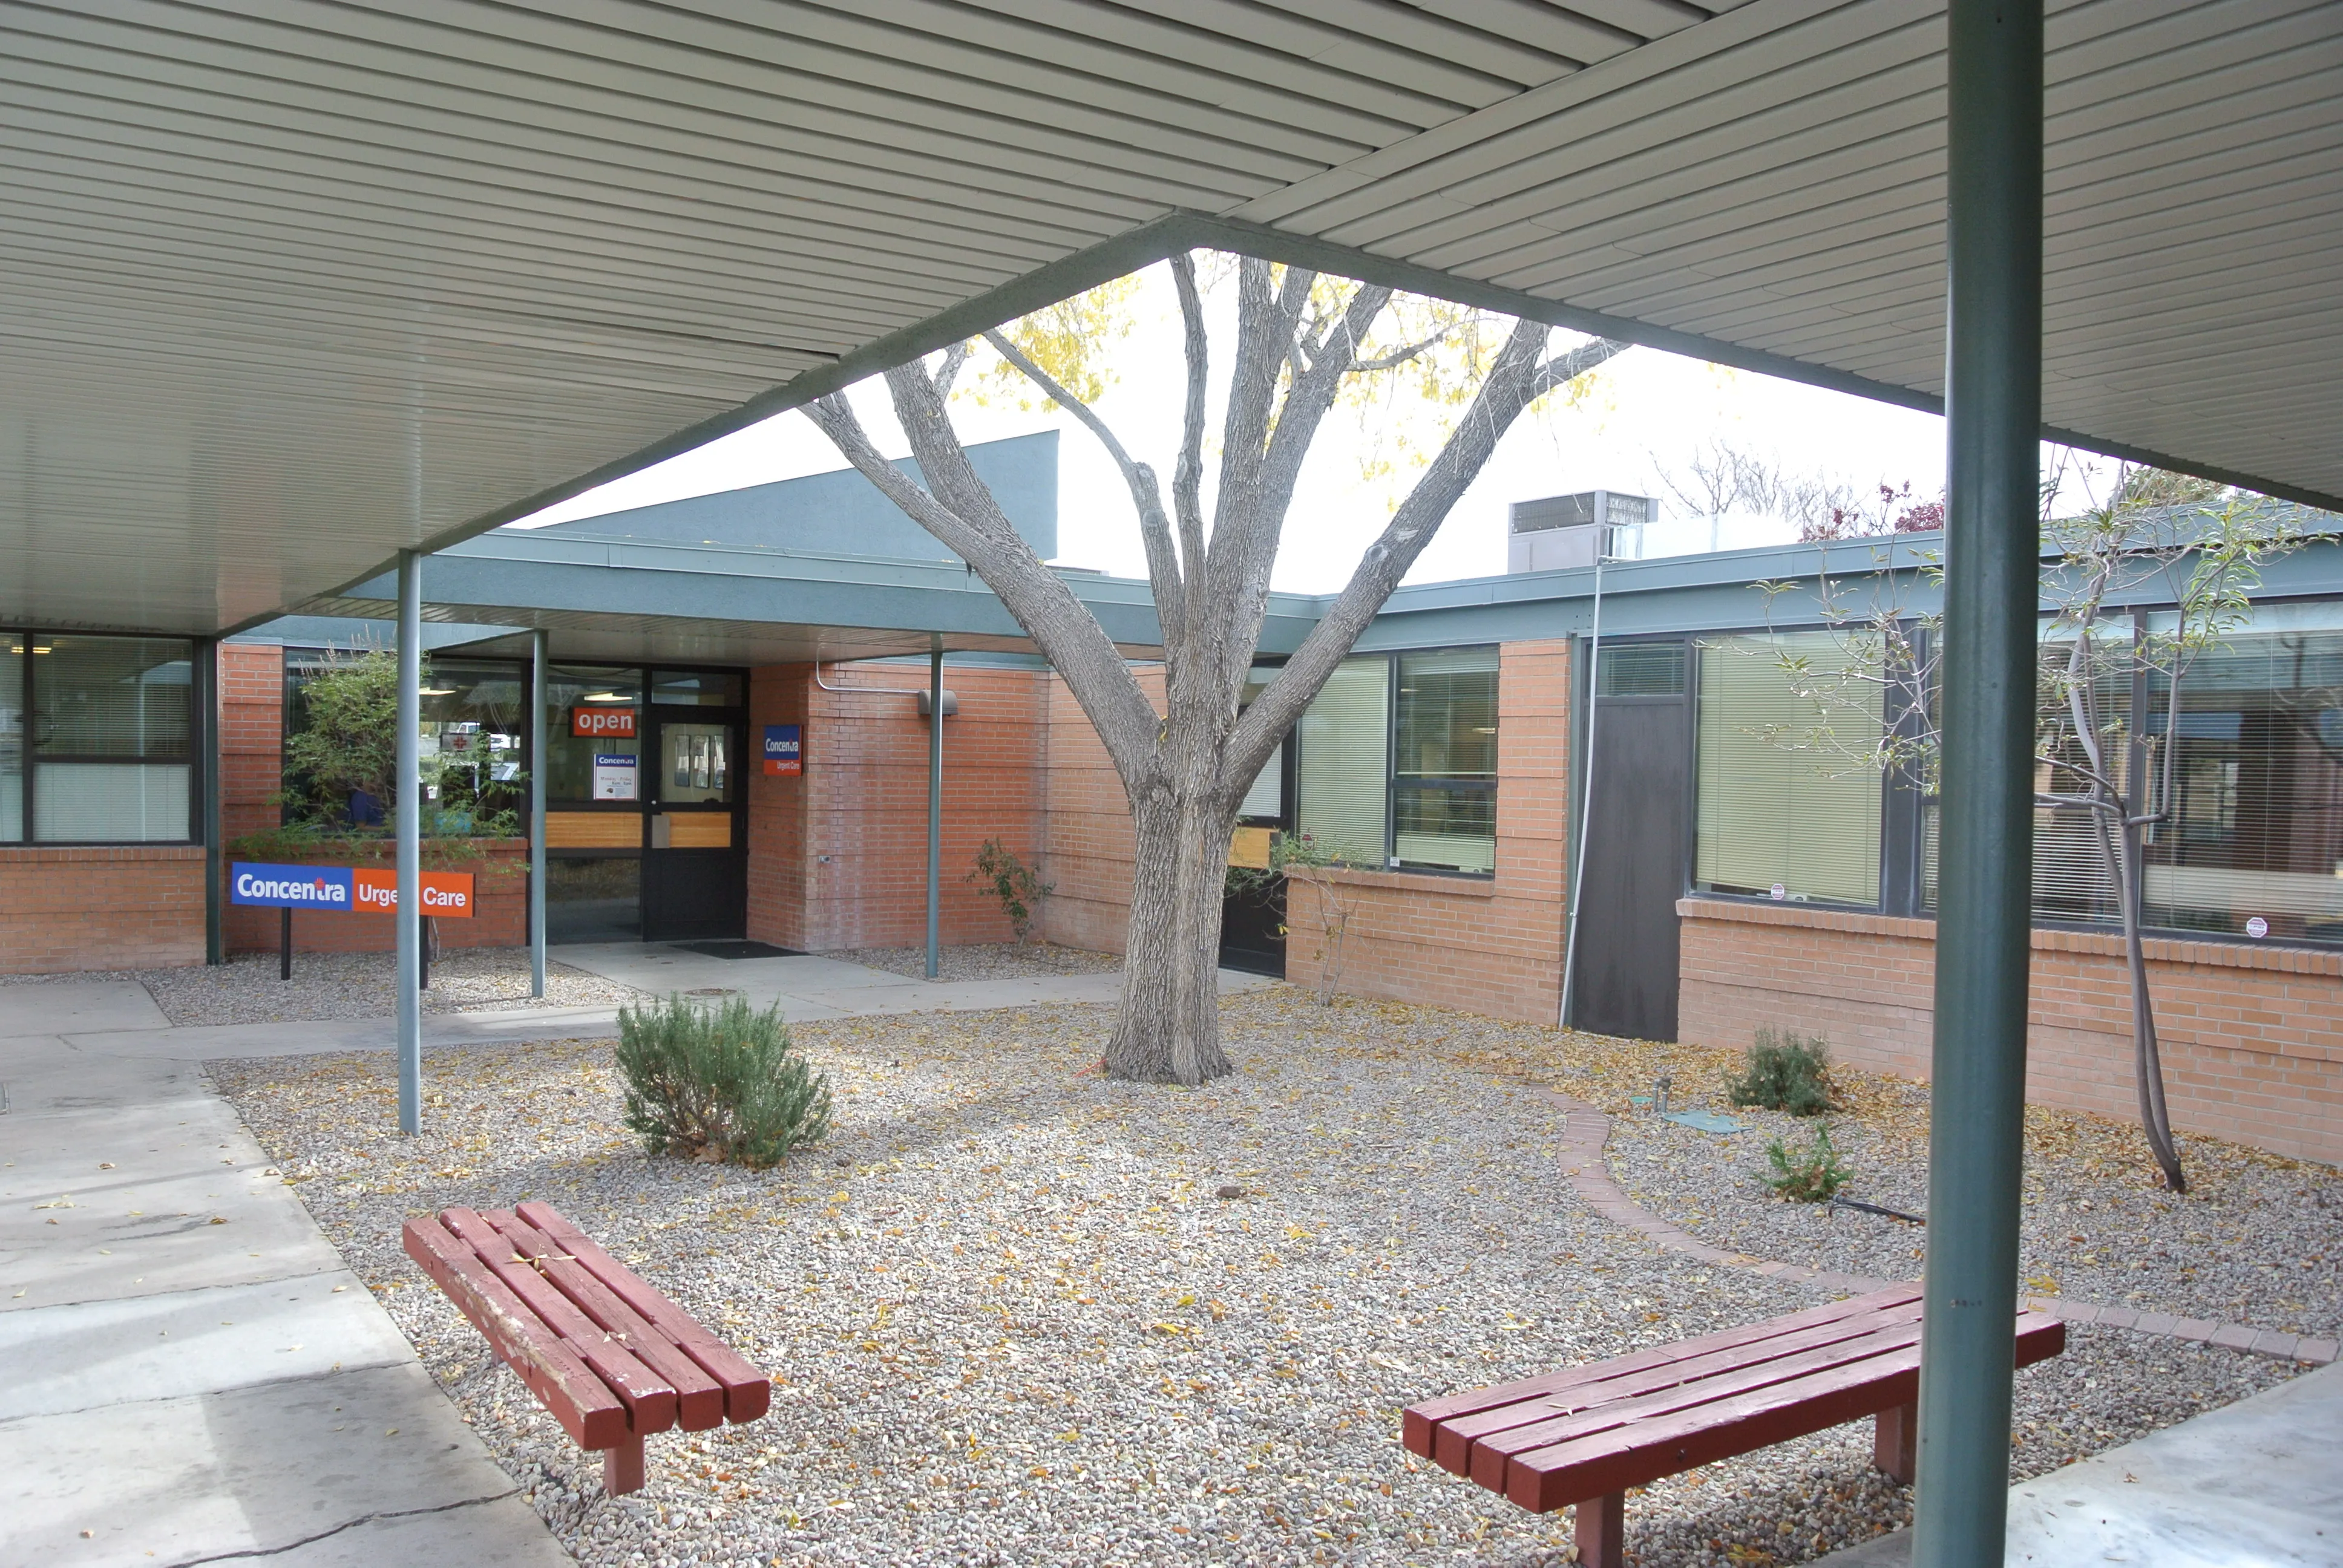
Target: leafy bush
{"x":1012,"y":881}
{"x":1785,"y":1073}
{"x":1809,"y":1175}
{"x":718,"y":1083}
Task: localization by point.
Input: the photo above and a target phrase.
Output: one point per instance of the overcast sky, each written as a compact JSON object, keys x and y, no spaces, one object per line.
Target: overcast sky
{"x":1650,"y":411}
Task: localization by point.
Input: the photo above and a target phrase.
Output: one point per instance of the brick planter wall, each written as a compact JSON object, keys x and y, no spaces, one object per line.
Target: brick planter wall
{"x":2252,"y":1036}
{"x":500,"y":882}
{"x":66,"y":911}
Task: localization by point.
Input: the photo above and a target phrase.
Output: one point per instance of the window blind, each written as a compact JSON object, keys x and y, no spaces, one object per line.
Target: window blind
{"x":1346,"y":761}
{"x":1777,"y":805}
{"x":1445,"y":774}
{"x":1266,"y":799}
{"x":12,"y":656}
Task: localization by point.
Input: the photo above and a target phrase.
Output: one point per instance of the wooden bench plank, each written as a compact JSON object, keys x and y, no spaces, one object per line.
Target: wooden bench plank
{"x":700,"y":1398}
{"x":1455,"y":1438}
{"x":1638,"y":1452}
{"x":747,"y":1392}
{"x":584,"y":1405}
{"x":1489,"y":1453}
{"x":650,"y":1399}
{"x":1418,"y":1421}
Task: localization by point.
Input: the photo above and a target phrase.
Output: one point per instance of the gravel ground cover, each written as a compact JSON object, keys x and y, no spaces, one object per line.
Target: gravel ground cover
{"x":2256,"y":1240}
{"x":984,"y":960}
{"x":1012,"y":1321}
{"x":340,"y":986}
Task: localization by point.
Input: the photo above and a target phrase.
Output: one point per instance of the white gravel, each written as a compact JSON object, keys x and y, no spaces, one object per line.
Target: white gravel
{"x":1011,"y":1322}
{"x":984,"y":960}
{"x":327,"y":987}
{"x":2256,"y":1240}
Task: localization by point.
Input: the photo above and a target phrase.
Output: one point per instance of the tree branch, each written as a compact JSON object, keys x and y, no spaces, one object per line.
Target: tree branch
{"x":1517,"y":379}
{"x":1163,"y":571}
{"x":957,"y":509}
{"x":1188,"y":476}
{"x":949,"y":371}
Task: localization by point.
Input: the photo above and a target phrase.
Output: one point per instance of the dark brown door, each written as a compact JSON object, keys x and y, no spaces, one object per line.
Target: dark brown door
{"x":1636,"y":855}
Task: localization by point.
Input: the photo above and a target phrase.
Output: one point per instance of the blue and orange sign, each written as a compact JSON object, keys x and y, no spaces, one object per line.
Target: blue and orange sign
{"x":784,"y":749}
{"x":445,"y":894}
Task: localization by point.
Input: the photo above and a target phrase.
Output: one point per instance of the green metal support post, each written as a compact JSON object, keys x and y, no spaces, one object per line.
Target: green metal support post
{"x":1992,"y":558}
{"x":407,"y":811}
{"x":207,"y":719}
{"x":537,"y":766}
{"x":935,"y":808}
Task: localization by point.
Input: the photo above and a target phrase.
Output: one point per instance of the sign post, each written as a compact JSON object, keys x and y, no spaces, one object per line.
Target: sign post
{"x":784,"y":749}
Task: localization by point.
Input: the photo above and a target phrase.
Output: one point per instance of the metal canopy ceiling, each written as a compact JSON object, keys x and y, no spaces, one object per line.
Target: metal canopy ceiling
{"x":286,"y":284}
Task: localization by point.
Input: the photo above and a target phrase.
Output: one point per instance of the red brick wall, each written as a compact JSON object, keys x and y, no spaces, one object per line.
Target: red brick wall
{"x":68,"y":910}
{"x":500,"y":885}
{"x":837,"y":855}
{"x":252,"y":738}
{"x":2252,"y":1036}
{"x":1086,"y":849}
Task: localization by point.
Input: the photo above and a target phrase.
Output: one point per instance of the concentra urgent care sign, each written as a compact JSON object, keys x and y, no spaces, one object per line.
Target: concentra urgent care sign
{"x":346,"y":889}
{"x":602,"y":723}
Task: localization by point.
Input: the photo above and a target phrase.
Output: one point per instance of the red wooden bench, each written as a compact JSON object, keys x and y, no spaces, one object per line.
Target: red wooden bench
{"x":1587,"y":1434}
{"x":611,"y":1358}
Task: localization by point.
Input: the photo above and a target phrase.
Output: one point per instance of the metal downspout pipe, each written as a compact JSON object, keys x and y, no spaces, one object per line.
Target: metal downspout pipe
{"x":537,"y":766}
{"x":409,"y":802}
{"x":935,"y":806}
{"x":1992,"y":424}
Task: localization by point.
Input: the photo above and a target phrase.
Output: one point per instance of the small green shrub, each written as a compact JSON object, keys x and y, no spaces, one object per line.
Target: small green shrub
{"x":718,"y":1083}
{"x":1807,"y":1175}
{"x":1785,"y":1073}
{"x":1012,"y":881}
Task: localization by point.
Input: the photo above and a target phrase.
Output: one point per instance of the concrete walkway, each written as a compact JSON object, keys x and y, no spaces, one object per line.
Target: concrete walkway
{"x":187,"y":1372}
{"x":2256,"y":1484}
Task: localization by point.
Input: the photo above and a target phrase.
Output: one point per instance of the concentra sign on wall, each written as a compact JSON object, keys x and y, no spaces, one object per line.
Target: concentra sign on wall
{"x":784,"y":749}
{"x":603,"y":723}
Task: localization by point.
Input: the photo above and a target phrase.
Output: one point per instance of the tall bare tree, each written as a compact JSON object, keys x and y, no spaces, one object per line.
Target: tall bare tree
{"x":1301,"y":338}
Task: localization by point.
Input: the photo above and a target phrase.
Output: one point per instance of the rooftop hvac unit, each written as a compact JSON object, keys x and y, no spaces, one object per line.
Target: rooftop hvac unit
{"x":1569,"y":530}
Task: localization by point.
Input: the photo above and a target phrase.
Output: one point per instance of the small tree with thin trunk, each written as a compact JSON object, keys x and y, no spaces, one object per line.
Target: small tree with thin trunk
{"x":1302,"y":341}
{"x":2188,"y":545}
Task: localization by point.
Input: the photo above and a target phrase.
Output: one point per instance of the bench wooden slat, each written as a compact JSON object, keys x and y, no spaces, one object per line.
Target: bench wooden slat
{"x":1419,"y":1422}
{"x":1489,"y":1453}
{"x":747,"y":1392}
{"x":650,"y":1399}
{"x":584,"y":1405}
{"x":700,"y":1398}
{"x":1637,"y":1452}
{"x":1456,"y":1438}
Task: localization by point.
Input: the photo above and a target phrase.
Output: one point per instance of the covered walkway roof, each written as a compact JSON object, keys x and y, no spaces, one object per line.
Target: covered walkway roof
{"x":285,"y":287}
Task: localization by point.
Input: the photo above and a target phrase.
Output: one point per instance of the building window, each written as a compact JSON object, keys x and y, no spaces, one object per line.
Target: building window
{"x":1444,"y":761}
{"x":97,"y":739}
{"x":1785,"y":800}
{"x":593,"y":752}
{"x":1398,"y":761}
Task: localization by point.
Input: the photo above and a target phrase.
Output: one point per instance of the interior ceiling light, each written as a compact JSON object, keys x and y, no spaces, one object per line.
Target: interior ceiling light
{"x":435,"y":691}
{"x":605,"y":697}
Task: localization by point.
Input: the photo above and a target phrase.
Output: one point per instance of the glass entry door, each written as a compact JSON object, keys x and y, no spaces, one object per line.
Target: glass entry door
{"x":695,"y":868}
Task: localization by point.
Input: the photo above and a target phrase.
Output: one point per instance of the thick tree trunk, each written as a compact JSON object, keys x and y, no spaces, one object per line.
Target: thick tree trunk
{"x":1169,"y":1030}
